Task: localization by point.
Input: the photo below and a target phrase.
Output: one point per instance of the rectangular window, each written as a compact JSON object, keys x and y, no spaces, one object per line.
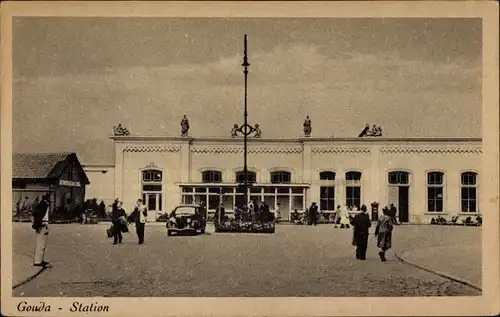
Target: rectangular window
{"x":256,"y":190}
{"x":270,"y":200}
{"x":151,"y":188}
{"x":269,"y":190}
{"x":282,"y":190}
{"x":297,"y":202}
{"x":213,"y":202}
{"x":353,"y":196}
{"x":255,"y":199}
{"x":239,"y":200}
{"x":200,"y":190}
{"x":228,"y":202}
{"x":228,"y":190}
{"x":147,"y":177}
{"x":469,"y":199}
{"x":200,"y":198}
{"x":214,"y":190}
{"x":187,"y":199}
{"x":327,"y":198}
{"x":187,"y":189}
{"x":297,"y":191}
{"x":435,"y":199}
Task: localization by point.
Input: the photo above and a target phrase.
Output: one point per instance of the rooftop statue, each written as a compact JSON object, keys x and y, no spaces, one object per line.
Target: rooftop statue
{"x":365,"y":131}
{"x":234,"y":131}
{"x":307,"y":127}
{"x":375,"y":131}
{"x":257,"y":131}
{"x":120,"y":130}
{"x":184,"y":126}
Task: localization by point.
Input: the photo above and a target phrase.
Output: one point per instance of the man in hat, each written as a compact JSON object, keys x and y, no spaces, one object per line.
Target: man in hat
{"x":140,"y":213}
{"x":313,"y":214}
{"x":362,"y":224}
{"x":42,"y":230}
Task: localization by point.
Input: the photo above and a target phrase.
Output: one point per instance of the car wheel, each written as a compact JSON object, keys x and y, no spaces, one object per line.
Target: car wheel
{"x":169,"y":233}
{"x":202,"y":230}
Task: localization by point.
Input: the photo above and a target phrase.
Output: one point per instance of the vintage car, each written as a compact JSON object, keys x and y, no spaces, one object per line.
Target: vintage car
{"x":187,"y":219}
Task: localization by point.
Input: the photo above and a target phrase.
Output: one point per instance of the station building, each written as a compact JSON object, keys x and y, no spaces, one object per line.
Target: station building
{"x":422,"y":177}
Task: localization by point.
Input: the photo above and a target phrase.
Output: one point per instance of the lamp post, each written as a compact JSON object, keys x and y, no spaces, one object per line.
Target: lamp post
{"x":245,"y":129}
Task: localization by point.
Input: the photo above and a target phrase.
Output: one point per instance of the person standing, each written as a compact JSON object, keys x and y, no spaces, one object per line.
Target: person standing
{"x":117,"y":216}
{"x":383,"y":232}
{"x":140,"y":214}
{"x":313,"y":214}
{"x":361,"y":223}
{"x":393,"y":213}
{"x":42,"y":231}
{"x":344,"y":218}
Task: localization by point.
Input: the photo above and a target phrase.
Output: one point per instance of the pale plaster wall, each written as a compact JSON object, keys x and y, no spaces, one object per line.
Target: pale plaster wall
{"x":182,"y":161}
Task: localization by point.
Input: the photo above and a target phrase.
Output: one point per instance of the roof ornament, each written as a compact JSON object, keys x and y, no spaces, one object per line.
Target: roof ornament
{"x":120,"y":130}
{"x":375,"y":131}
{"x":307,"y":127}
{"x":184,"y":126}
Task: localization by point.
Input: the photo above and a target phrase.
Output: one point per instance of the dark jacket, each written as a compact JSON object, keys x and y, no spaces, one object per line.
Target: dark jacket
{"x":116,"y":214}
{"x":361,"y":223}
{"x":393,"y":211}
{"x":39,"y":213}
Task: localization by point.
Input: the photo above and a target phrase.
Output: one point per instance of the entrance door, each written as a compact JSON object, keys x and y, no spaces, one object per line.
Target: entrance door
{"x":403,"y":204}
{"x":393,"y":196}
{"x":153,"y":203}
{"x":284,"y":207}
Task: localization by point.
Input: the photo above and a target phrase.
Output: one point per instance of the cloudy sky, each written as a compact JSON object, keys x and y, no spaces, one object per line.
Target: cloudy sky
{"x":74,"y":78}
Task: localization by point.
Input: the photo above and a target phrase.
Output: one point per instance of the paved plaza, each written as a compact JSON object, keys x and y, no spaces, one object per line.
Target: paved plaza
{"x":296,"y":261}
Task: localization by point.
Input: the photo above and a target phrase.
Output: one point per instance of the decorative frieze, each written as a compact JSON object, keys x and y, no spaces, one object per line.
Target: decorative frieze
{"x":151,"y":148}
{"x":424,"y":150}
{"x":232,"y":150}
{"x":322,"y":150}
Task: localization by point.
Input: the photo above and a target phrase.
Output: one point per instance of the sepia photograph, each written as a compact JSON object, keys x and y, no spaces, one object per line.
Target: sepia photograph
{"x":247,"y":156}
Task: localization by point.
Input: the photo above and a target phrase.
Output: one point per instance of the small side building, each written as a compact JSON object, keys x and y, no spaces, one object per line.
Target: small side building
{"x":60,"y":174}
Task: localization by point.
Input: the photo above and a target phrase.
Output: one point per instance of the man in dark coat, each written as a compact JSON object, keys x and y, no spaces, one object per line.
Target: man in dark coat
{"x":313,"y":214}
{"x":139,"y":215}
{"x":362,"y":224}
{"x":393,"y":212}
{"x":42,"y":230}
{"x":116,"y":214}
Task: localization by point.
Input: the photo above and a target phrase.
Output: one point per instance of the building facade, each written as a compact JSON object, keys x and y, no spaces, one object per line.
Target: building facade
{"x":423,"y":178}
{"x":58,"y":174}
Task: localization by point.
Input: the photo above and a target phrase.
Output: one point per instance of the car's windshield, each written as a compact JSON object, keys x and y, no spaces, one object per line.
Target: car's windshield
{"x":179,"y":211}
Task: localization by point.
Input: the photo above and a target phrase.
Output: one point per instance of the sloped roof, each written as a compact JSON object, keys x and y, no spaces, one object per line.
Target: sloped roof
{"x":38,"y":165}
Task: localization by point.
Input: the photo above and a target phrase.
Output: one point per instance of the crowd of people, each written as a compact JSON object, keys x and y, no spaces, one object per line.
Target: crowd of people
{"x":259,"y":212}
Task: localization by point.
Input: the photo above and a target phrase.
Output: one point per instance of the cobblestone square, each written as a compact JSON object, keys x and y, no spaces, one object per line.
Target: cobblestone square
{"x":296,"y":261}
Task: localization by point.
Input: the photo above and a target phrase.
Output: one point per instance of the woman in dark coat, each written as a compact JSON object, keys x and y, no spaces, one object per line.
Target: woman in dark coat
{"x":383,"y":231}
{"x":117,"y":220}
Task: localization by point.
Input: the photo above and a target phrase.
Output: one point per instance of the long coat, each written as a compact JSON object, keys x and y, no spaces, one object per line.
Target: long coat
{"x":361,"y":224}
{"x":344,"y":216}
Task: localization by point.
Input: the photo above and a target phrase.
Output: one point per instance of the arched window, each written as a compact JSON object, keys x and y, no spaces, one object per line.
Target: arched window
{"x":399,"y":178}
{"x":212,"y":177}
{"x":152,"y":189}
{"x":435,"y":191}
{"x":240,"y":177}
{"x":353,"y":189}
{"x":469,"y":192}
{"x":327,"y":176}
{"x":281,"y":177}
